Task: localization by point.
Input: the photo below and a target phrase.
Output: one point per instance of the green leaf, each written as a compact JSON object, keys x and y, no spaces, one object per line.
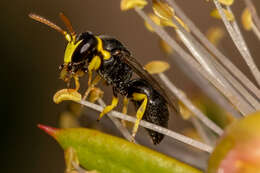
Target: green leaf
{"x":106,"y":153}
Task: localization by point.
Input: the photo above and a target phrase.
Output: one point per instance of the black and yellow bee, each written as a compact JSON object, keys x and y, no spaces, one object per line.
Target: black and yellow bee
{"x":86,"y":53}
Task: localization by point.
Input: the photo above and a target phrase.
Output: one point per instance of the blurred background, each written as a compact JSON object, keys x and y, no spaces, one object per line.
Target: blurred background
{"x":31,"y":54}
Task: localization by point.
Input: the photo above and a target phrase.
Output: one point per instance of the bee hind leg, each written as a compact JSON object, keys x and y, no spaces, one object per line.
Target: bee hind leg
{"x":140,"y":112}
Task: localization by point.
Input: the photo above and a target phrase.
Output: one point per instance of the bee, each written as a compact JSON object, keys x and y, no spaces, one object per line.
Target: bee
{"x":112,"y":62}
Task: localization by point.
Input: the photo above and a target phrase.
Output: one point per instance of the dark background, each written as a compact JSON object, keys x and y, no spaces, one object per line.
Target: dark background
{"x":32,"y":52}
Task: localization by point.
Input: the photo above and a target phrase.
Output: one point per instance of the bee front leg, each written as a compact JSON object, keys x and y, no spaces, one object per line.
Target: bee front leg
{"x":93,"y":65}
{"x":77,"y":84}
{"x":92,"y":86}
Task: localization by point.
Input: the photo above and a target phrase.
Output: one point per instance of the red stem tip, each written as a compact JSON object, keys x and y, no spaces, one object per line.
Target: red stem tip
{"x":49,"y":130}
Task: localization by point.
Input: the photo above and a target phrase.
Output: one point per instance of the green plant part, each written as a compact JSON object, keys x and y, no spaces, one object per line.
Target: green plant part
{"x":238,"y":151}
{"x":105,"y":153}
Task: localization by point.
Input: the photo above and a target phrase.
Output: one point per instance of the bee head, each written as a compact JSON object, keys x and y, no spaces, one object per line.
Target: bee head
{"x":77,"y":51}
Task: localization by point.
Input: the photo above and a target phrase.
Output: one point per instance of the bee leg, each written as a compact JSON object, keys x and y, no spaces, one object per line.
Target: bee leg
{"x":92,"y":86}
{"x":124,"y":110}
{"x":77,"y":84}
{"x":140,"y":112}
{"x":93,"y":65}
{"x":95,"y":95}
{"x":125,"y":105}
{"x":109,"y":108}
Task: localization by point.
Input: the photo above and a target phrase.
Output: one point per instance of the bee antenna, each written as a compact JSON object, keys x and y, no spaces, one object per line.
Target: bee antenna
{"x":67,"y":22}
{"x":48,"y":23}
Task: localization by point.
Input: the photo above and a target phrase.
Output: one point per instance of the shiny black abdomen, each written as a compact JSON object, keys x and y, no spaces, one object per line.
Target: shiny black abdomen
{"x":156,"y":111}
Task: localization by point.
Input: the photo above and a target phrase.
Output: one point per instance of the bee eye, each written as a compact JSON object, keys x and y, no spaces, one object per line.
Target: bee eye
{"x":81,"y":52}
{"x":87,"y":45}
{"x":84,"y":48}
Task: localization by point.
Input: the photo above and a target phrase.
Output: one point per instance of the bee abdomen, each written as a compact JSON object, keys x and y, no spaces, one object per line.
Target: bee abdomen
{"x":156,"y":111}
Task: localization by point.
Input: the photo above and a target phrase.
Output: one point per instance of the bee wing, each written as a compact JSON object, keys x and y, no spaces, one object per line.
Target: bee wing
{"x":140,"y":71}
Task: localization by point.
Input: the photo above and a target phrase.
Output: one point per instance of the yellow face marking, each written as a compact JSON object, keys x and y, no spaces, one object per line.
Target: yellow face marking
{"x":71,"y":47}
{"x":105,"y":53}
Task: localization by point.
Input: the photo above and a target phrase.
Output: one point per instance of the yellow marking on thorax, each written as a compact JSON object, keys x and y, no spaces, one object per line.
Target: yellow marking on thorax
{"x":106,"y":54}
{"x":71,"y":47}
